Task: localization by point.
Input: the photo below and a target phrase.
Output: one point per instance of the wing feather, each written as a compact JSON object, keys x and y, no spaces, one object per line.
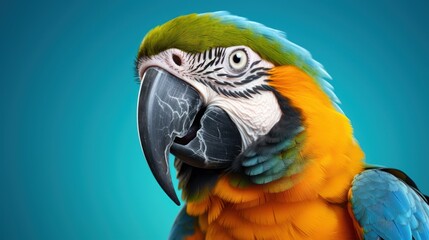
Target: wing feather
{"x":386,"y":207}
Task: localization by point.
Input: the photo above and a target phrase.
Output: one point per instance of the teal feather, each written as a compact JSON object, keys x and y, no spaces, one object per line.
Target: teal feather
{"x":275,"y":161}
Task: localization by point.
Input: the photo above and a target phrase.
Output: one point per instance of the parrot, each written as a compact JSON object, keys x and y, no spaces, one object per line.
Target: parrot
{"x":261,"y":148}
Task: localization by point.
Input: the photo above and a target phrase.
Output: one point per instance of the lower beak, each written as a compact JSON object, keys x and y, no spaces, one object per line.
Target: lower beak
{"x":171,"y":115}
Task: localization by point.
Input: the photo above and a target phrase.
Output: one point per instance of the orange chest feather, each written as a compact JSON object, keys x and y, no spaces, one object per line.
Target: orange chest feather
{"x":308,"y":210}
{"x":310,"y":205}
{"x":311,"y":219}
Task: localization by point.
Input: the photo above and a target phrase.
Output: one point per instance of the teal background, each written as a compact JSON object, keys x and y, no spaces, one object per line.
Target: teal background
{"x":71,"y":166}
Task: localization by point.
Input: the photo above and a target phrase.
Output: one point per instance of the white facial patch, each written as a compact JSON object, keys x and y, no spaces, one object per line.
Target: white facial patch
{"x":234,"y":79}
{"x":254,"y":117}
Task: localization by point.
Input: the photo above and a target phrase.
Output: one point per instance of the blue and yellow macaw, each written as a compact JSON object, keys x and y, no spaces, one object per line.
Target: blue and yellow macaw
{"x":262,"y":149}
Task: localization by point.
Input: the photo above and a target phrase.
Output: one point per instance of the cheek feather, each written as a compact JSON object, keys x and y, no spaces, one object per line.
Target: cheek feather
{"x":254,"y":117}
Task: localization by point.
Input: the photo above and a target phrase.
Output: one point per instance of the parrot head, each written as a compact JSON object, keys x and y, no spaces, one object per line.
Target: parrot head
{"x":217,"y":89}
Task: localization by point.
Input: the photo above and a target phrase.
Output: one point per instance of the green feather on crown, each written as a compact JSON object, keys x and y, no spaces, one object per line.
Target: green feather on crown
{"x":196,"y":33}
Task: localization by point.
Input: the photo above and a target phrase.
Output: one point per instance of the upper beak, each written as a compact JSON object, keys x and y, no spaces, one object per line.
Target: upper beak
{"x":171,"y":114}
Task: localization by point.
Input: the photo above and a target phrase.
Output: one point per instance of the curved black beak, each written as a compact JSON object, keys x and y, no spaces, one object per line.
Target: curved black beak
{"x":216,"y":144}
{"x":171,"y":115}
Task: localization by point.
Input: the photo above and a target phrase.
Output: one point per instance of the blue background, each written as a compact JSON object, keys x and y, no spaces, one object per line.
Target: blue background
{"x":71,"y":165}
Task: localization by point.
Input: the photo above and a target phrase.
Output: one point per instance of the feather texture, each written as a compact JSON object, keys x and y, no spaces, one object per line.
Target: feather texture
{"x":386,"y":207}
{"x":276,"y":198}
{"x":294,"y":206}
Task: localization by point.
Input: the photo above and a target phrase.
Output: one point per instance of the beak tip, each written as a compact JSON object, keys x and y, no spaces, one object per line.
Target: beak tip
{"x":169,"y":190}
{"x":176,"y":201}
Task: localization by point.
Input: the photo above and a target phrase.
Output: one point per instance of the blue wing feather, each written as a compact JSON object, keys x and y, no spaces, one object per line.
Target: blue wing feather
{"x":183,"y":226}
{"x":386,"y":207}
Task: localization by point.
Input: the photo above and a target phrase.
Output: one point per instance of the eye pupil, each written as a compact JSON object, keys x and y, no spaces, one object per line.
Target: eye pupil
{"x":236,"y":58}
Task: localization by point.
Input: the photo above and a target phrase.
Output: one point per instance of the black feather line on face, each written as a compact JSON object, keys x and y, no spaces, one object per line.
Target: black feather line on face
{"x":223,"y":56}
{"x":256,"y":69}
{"x":207,"y":65}
{"x":241,"y":94}
{"x":200,"y":70}
{"x":247,"y":94}
{"x":247,"y":80}
{"x":227,"y":87}
{"x":210,"y":53}
{"x":254,"y":64}
{"x":231,"y":76}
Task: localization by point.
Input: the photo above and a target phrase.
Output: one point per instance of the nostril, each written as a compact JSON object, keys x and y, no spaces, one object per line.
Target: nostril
{"x":177,"y":60}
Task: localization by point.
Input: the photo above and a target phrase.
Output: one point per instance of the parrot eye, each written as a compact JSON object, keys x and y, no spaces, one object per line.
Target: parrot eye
{"x":238,"y":60}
